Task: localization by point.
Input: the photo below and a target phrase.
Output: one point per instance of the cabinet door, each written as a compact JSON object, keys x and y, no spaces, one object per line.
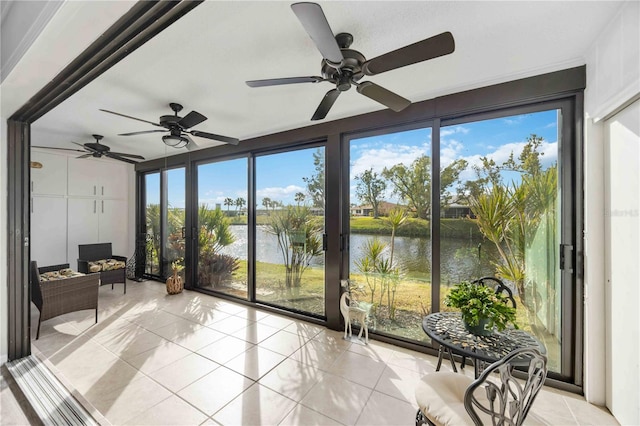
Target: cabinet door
{"x":51,"y":179}
{"x":48,"y":230}
{"x":83,"y":177}
{"x":113,"y":225}
{"x":113,"y":180}
{"x":82,"y":224}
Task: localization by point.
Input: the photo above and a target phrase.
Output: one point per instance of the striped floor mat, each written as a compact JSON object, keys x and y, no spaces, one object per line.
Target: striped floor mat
{"x":51,"y":401}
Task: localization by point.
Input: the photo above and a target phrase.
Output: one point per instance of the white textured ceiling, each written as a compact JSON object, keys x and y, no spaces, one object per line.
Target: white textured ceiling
{"x":203,"y":60}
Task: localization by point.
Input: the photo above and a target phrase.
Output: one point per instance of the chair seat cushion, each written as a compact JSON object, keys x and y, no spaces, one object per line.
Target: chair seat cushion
{"x":106,"y":265}
{"x":58,"y":275}
{"x":440,"y":397}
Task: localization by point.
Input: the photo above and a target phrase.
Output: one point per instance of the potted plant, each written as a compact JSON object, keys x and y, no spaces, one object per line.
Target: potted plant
{"x":174,"y":283}
{"x":482,"y":309}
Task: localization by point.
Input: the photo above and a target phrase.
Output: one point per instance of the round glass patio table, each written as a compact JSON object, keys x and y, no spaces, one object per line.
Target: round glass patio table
{"x":447,"y":329}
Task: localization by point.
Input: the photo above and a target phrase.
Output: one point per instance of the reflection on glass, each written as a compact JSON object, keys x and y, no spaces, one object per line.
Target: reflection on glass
{"x":152,"y":216}
{"x":290,"y":225}
{"x":499,"y":213}
{"x":222,"y":227}
{"x":390,"y":246}
{"x":174,"y":223}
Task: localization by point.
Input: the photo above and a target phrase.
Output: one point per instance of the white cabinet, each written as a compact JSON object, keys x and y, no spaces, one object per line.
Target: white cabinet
{"x":92,"y":178}
{"x":48,"y":230}
{"x":51,"y":179}
{"x":91,"y":220}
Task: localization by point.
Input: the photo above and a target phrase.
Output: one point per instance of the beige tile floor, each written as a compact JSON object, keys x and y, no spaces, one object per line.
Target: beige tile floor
{"x":190,"y":359}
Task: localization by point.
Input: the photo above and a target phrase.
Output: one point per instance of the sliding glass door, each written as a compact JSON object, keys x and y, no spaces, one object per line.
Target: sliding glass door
{"x":501,"y":214}
{"x":165,"y":214}
{"x":222,"y":228}
{"x":500,"y":187}
{"x":289,"y":213}
{"x":389,"y":228}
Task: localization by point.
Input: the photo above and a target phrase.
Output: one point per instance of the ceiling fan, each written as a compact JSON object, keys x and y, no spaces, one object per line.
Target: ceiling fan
{"x":178,"y":128}
{"x":98,"y":150}
{"x":344,"y":67}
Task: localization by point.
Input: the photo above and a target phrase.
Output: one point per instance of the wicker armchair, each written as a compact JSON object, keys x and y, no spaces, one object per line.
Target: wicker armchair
{"x":94,"y":252}
{"x":61,"y":296}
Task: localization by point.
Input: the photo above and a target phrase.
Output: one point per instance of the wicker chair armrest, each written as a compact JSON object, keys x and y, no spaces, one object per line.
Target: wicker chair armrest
{"x":83,"y":266}
{"x":121,"y":258}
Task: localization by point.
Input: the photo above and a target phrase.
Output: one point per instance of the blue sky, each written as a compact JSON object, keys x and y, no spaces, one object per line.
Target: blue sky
{"x":279,"y":176}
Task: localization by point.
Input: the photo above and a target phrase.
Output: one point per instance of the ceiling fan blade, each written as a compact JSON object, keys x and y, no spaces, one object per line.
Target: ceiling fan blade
{"x":316,"y":25}
{"x":326,"y":104}
{"x":227,"y":139}
{"x":142,"y":132}
{"x":384,"y":96}
{"x":117,"y":157}
{"x":85,"y":156}
{"x":433,"y":47}
{"x":122,"y":154}
{"x":86,"y":148}
{"x":133,"y":118}
{"x":192,"y":119}
{"x":63,"y":149}
{"x":192,"y":145}
{"x":279,"y":81}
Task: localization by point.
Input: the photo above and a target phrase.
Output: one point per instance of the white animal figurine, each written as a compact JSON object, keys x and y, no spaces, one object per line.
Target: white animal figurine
{"x":353,"y":313}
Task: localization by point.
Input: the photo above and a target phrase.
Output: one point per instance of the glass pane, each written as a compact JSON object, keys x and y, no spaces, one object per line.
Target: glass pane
{"x":290,"y":225}
{"x":222,"y":224}
{"x":152,"y":215}
{"x":500,"y":214}
{"x":175,"y":220}
{"x":390,"y":245}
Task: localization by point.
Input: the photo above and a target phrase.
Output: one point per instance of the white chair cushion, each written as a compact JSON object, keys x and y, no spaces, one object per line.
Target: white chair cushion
{"x":440,"y":397}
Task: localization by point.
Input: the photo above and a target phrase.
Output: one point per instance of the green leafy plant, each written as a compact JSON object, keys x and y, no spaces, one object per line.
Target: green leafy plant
{"x":477,"y":302}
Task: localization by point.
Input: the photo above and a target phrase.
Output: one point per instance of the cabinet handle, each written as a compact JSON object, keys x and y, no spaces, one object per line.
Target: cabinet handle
{"x":94,"y":190}
{"x":32,"y":205}
{"x":102,"y":206}
{"x":94,"y":206}
{"x":103,"y":190}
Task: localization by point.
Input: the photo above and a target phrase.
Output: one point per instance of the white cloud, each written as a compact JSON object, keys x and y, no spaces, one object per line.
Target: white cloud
{"x":279,"y":193}
{"x":447,"y":131}
{"x":386,"y":156}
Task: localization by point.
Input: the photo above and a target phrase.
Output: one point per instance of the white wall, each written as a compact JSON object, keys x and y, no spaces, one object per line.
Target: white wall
{"x":622,"y":263}
{"x":613,"y":80}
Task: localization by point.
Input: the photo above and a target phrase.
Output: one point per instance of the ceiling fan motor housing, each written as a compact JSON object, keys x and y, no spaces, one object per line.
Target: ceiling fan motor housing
{"x":351,"y":69}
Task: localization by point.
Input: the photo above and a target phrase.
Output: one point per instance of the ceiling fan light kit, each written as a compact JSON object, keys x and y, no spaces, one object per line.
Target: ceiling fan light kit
{"x":175,"y":141}
{"x":344,"y":67}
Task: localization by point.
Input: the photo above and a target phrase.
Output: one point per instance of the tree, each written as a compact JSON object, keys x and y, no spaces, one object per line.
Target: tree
{"x":298,"y":234}
{"x":214,"y":267}
{"x":450,"y":175}
{"x":509,"y":214}
{"x":370,"y":189}
{"x":315,"y":183}
{"x":240,"y":202}
{"x":413,"y":184}
{"x":267,"y":203}
{"x":299,"y":198}
{"x":228,"y":202}
{"x":396,"y":218}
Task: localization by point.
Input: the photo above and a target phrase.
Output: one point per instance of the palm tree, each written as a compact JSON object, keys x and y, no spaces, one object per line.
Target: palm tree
{"x":228,"y":202}
{"x":299,"y":198}
{"x":240,"y":202}
{"x":267,"y":203}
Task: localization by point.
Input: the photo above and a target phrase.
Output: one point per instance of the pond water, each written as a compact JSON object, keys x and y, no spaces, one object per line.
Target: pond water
{"x":461,"y":259}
